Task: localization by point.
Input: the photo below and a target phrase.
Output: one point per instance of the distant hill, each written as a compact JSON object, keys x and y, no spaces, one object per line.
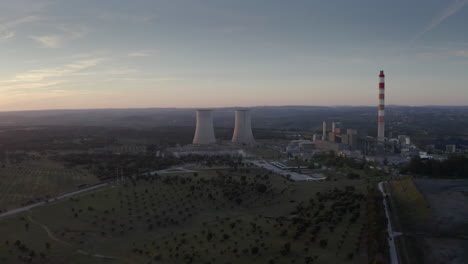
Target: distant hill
{"x":434,"y":119}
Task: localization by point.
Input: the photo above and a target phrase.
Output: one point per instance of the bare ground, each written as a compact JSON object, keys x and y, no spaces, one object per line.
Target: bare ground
{"x":447,"y":240}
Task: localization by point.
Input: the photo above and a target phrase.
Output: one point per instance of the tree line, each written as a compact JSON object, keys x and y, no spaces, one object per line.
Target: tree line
{"x":455,"y":166}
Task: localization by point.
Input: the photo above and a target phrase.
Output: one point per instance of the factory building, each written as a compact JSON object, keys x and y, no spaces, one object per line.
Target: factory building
{"x":204,"y":132}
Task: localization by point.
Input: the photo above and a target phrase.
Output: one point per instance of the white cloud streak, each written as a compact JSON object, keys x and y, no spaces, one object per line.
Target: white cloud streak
{"x":125,"y":17}
{"x":6,"y":27}
{"x":49,"y":41}
{"x":16,"y":22}
{"x":6,"y":35}
{"x":56,"y":40}
{"x":141,"y":53}
{"x":47,"y":79}
{"x":453,"y":8}
{"x":71,"y":69}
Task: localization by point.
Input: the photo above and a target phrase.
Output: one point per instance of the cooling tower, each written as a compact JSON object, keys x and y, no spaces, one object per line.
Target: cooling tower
{"x":204,"y":133}
{"x":243,"y":128}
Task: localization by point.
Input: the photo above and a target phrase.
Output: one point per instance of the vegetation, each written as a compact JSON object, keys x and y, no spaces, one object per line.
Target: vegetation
{"x":331,"y":159}
{"x":229,"y":215}
{"x":377,"y":245}
{"x":413,"y":209}
{"x":25,"y":181}
{"x":455,"y":166}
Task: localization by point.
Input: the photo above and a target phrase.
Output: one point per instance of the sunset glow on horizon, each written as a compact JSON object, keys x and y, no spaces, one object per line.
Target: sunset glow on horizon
{"x":138,"y":54}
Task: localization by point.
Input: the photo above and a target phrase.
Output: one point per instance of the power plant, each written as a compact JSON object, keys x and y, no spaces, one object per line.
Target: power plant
{"x":381,"y":120}
{"x":204,"y":133}
{"x":243,"y":128}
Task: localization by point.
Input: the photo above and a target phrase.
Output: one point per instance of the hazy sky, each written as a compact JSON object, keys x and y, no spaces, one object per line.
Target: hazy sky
{"x":208,"y":53}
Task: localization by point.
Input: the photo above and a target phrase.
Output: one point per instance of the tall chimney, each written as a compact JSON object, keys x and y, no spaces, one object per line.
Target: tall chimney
{"x":333,"y":127}
{"x":381,"y":119}
{"x":324,"y":130}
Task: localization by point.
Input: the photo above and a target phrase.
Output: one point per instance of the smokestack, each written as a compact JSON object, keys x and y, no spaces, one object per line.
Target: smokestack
{"x":204,"y":133}
{"x":333,"y":127}
{"x":324,"y":130}
{"x":243,"y":128}
{"x":381,"y":120}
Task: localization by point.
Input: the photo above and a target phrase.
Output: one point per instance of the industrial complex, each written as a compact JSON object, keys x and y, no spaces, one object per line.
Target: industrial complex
{"x":350,"y":142}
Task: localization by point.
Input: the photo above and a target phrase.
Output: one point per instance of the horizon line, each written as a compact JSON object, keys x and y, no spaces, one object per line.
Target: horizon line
{"x":222,"y":107}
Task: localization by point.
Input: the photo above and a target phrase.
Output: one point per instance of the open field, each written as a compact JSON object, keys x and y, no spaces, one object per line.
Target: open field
{"x":35,"y":180}
{"x":223,"y":216}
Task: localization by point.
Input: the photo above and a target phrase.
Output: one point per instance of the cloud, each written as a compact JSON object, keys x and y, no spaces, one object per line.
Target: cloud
{"x":462,"y":53}
{"x":56,"y":40}
{"x":454,"y":7}
{"x":5,"y":28}
{"x":145,"y":79}
{"x":22,"y":20}
{"x":6,"y":35}
{"x":49,"y":41}
{"x":70,"y":69}
{"x":45,"y":79}
{"x":125,"y":17}
{"x":141,"y":53}
{"x":24,"y":87}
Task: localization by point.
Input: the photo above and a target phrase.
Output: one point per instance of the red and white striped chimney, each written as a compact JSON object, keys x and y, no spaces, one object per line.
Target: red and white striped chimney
{"x":381,"y":121}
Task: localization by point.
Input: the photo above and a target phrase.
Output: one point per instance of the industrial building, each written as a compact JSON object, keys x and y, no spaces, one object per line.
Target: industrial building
{"x":340,"y":139}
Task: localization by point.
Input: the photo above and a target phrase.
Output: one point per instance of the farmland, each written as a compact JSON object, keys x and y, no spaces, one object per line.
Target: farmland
{"x":35,"y":180}
{"x":214,"y":216}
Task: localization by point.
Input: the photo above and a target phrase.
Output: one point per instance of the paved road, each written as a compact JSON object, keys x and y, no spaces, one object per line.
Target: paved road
{"x":391,"y":233}
{"x":294,"y":175}
{"x":25,"y":208}
{"x":179,"y":169}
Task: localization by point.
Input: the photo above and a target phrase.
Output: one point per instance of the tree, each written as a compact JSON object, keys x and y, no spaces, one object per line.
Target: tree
{"x":323,"y":243}
{"x":261,"y":188}
{"x":254,"y":250}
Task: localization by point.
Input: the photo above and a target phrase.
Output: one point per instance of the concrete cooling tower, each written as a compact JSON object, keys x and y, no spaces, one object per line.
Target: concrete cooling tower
{"x":243,"y":129}
{"x":204,"y":133}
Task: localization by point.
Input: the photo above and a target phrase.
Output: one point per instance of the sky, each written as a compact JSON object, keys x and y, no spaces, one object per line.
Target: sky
{"x":74,"y":54}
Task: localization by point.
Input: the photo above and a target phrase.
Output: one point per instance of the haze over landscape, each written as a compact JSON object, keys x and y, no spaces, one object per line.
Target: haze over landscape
{"x":233,"y":131}
{"x":126,"y":54}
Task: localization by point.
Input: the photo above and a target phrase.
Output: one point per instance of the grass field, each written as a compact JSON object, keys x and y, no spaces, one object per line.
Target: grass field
{"x":247,"y":216}
{"x":410,"y":213}
{"x":32,"y":181}
{"x":412,"y":208}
